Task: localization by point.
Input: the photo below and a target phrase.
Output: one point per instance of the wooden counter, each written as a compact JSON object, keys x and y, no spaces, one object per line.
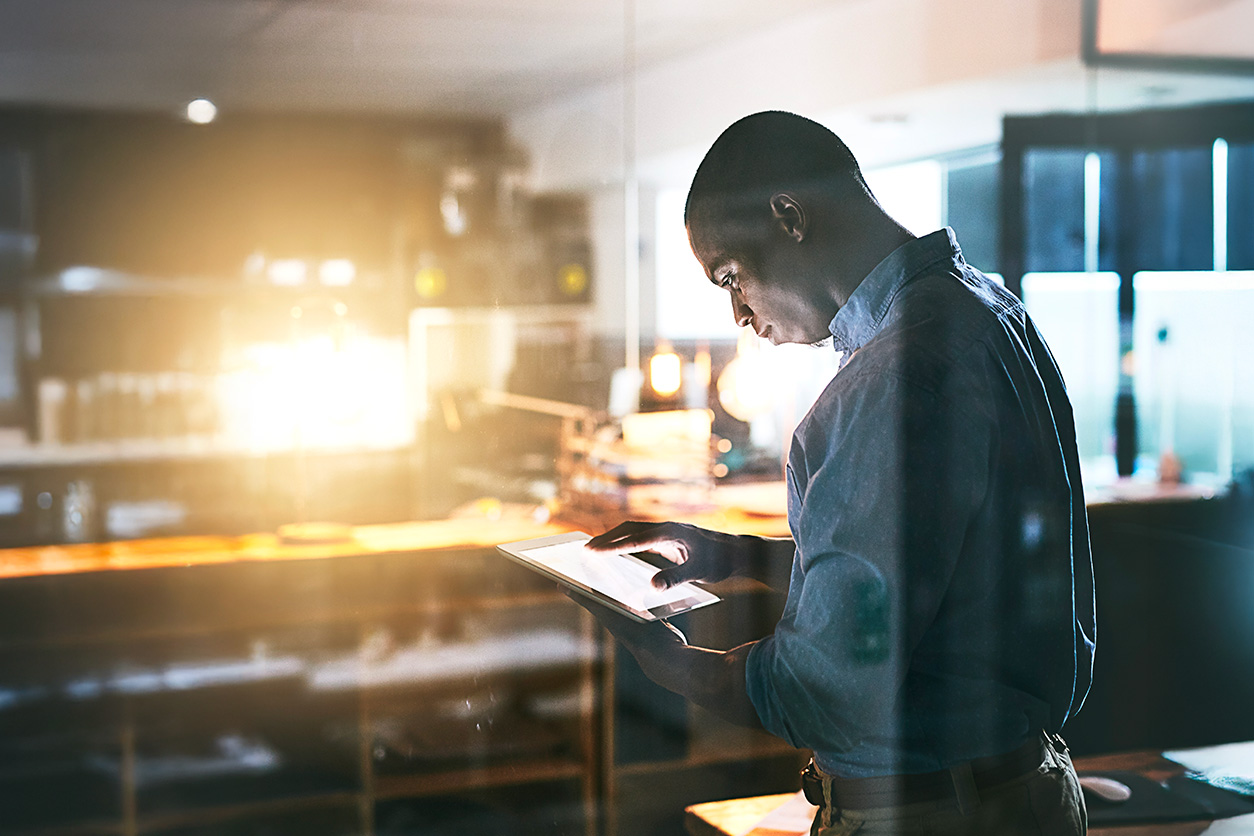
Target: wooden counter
{"x":742,"y":509}
{"x":751,"y":508}
{"x":395,"y":538}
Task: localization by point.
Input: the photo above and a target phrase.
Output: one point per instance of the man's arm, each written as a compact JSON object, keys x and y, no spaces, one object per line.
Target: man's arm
{"x":712,"y":679}
{"x":698,"y":554}
{"x":894,"y":473}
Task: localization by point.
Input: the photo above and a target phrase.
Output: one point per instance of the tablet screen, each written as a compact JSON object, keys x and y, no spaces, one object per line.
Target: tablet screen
{"x":622,"y":577}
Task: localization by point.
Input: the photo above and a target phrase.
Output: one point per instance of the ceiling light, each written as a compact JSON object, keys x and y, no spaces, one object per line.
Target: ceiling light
{"x":201,"y":111}
{"x":748,"y":385}
{"x":337,"y":272}
{"x":665,"y":371}
{"x":287,"y":272}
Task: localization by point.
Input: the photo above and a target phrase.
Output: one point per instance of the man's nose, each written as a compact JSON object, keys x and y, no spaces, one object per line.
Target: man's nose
{"x":742,"y":313}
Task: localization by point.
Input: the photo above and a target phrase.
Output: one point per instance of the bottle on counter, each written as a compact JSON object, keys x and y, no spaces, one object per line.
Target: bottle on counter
{"x":78,"y":512}
{"x":52,"y":400}
{"x":85,"y":410}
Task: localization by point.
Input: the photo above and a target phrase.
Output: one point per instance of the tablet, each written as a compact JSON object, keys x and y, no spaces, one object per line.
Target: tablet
{"x":622,"y":582}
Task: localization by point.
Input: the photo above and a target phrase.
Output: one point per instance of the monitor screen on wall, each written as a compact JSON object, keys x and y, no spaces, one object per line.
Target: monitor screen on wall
{"x":1171,"y":34}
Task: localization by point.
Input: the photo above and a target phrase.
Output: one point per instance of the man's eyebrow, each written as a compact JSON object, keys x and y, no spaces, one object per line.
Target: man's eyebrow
{"x":713,"y":274}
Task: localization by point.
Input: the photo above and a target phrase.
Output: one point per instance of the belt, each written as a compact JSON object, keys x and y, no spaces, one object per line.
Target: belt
{"x":960,"y":783}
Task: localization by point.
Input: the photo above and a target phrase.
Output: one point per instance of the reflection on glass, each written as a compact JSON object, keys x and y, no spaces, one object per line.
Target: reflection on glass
{"x":1078,"y":314}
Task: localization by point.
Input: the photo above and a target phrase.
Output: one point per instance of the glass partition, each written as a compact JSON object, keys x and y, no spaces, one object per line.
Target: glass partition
{"x":278,"y":375}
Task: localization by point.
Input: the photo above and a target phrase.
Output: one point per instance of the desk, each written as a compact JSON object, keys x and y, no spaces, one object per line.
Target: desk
{"x":735,"y":816}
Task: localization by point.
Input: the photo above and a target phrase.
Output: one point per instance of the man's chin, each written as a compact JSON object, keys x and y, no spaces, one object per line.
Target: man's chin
{"x":778,"y":339}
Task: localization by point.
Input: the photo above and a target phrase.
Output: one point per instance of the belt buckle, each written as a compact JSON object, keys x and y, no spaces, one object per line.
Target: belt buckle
{"x":812,"y":785}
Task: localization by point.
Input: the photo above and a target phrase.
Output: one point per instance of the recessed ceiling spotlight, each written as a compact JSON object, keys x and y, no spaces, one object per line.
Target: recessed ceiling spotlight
{"x":201,"y":111}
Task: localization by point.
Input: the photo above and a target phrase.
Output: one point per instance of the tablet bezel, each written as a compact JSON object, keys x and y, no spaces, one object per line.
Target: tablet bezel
{"x":515,"y":551}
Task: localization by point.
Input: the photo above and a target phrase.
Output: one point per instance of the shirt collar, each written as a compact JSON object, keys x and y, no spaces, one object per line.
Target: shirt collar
{"x":859,"y":319}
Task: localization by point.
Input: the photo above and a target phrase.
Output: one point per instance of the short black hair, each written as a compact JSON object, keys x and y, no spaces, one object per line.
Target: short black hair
{"x":763,"y":154}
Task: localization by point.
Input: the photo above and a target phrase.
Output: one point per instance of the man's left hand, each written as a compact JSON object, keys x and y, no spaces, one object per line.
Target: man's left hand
{"x":649,"y":638}
{"x":713,"y":679}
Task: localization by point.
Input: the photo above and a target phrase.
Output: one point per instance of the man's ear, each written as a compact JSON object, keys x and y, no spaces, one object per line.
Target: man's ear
{"x":790,"y":214}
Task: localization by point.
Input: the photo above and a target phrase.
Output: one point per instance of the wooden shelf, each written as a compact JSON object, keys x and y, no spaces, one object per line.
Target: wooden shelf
{"x":407,"y":786}
{"x":708,"y":757}
{"x":90,"y":828}
{"x":337,"y":616}
{"x":89,"y":453}
{"x":201,"y":816}
{"x":399,"y":698}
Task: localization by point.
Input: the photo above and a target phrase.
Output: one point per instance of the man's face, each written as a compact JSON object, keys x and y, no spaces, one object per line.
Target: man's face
{"x":769,"y":287}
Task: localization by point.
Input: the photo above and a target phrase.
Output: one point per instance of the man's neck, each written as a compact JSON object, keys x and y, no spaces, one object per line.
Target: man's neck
{"x":876,"y":238}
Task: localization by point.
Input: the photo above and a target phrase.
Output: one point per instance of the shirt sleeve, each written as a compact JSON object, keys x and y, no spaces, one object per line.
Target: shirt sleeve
{"x":885,"y":476}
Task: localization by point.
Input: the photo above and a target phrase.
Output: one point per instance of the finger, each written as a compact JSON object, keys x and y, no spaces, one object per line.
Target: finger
{"x":615,"y":533}
{"x":675,"y":575}
{"x":638,"y":537}
{"x":623,"y":529}
{"x":636,"y":542}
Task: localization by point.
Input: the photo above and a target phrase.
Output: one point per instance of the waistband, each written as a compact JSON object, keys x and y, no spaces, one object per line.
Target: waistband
{"x":961,"y":784}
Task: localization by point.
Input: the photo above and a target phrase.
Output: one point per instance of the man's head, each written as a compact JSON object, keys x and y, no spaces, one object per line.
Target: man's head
{"x":779,"y":215}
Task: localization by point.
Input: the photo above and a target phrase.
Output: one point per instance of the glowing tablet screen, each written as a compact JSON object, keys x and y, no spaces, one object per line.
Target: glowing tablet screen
{"x":620,"y":579}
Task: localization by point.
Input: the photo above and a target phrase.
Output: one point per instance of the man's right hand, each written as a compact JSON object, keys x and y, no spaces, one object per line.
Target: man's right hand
{"x":698,"y":554}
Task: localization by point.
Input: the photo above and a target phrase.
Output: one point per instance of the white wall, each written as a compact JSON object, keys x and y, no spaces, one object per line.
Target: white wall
{"x":847,"y":54}
{"x":688,"y":305}
{"x":609,"y":260}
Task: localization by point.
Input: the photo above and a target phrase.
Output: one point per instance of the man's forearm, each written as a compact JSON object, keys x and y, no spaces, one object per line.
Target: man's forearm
{"x":712,"y":679}
{"x":759,"y":559}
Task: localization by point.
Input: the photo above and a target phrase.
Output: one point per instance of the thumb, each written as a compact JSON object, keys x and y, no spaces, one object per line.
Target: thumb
{"x":673,"y":576}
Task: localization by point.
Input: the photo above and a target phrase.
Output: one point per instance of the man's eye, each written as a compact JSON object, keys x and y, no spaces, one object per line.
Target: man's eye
{"x":728,"y":281}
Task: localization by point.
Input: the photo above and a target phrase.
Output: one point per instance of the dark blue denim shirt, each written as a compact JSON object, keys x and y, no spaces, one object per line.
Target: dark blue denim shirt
{"x":941,"y":603}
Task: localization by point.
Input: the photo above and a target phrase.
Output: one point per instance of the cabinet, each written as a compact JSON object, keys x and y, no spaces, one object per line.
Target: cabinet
{"x":1175,"y":590}
{"x":364,"y":693}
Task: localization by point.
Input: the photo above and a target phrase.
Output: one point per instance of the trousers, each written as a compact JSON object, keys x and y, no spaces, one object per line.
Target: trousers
{"x":1046,"y":801}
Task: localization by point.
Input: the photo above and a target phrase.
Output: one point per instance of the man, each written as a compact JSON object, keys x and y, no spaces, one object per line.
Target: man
{"x":939,"y":627}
